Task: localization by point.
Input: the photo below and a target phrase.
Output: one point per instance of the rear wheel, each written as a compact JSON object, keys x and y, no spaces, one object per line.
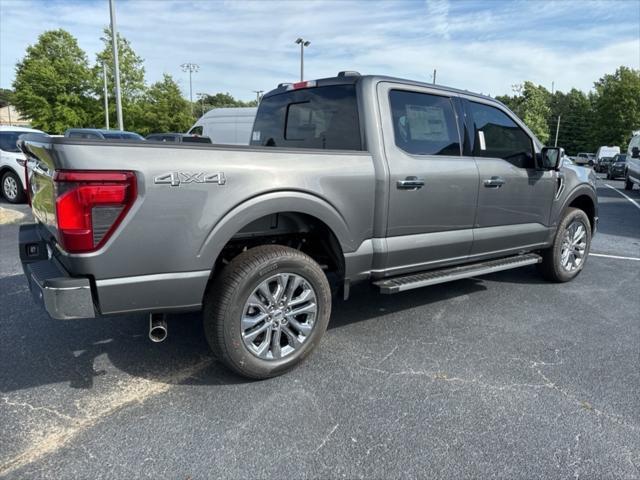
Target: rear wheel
{"x":568,"y":254}
{"x":267,"y":311}
{"x":12,"y":188}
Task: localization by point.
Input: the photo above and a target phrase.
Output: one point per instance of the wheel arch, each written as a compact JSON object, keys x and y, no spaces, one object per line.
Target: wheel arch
{"x":293,"y":213}
{"x":585,"y":199}
{"x":6,"y":168}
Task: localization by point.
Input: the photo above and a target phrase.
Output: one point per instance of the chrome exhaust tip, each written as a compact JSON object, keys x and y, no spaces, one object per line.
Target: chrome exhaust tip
{"x":157,"y":327}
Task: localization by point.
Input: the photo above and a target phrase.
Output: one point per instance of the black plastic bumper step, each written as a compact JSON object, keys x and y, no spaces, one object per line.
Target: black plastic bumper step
{"x":433,"y":277}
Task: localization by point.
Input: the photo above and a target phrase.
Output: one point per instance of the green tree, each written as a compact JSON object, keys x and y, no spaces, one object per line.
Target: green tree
{"x":165,"y":109}
{"x":531,"y":105}
{"x":221,"y":100}
{"x":132,"y":84}
{"x":5,"y":97}
{"x":617,"y":106}
{"x":576,"y":121}
{"x":53,"y":83}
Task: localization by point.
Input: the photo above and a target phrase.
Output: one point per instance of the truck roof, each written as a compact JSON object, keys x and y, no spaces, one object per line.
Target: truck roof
{"x":230,"y":112}
{"x":346,"y":78}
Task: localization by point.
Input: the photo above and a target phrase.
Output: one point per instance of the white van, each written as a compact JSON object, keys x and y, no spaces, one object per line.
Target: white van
{"x":230,"y":126}
{"x":12,"y":163}
{"x":606,"y":151}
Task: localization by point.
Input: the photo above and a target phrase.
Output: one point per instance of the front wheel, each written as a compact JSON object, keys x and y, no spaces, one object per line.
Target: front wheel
{"x":267,"y":311}
{"x":628,"y":184}
{"x":568,"y":254}
{"x":12,"y":188}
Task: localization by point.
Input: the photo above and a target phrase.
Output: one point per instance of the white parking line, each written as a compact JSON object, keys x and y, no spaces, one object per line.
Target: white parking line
{"x":624,"y":195}
{"x":618,"y":257}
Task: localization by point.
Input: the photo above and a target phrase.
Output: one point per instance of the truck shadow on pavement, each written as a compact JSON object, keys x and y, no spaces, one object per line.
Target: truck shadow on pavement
{"x":36,"y":350}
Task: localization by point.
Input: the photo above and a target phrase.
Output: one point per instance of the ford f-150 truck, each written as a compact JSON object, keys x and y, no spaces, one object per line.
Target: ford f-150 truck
{"x":347,"y":179}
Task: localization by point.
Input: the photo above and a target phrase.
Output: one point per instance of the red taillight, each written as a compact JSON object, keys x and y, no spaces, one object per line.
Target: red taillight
{"x":90,"y":205}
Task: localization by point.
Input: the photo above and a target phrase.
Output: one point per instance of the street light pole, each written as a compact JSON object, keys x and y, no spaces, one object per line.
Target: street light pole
{"x":190,"y":67}
{"x":303,"y":43}
{"x":258,"y":94}
{"x":106,"y":97}
{"x":557,"y":131}
{"x":116,"y":67}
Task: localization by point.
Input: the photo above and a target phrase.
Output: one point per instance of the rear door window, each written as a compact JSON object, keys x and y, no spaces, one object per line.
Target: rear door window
{"x":424,"y":124}
{"x":316,"y":117}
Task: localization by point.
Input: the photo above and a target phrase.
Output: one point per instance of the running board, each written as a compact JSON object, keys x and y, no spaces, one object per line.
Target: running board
{"x":433,"y":277}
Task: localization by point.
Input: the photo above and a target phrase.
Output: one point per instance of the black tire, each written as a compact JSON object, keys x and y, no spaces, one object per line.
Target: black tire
{"x":628,"y":184}
{"x":225,"y":301}
{"x":608,"y":176}
{"x":12,"y":189}
{"x":551,"y":267}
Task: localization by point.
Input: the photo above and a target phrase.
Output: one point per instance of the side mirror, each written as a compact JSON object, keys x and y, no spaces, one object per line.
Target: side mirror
{"x":635,"y":152}
{"x":551,"y":158}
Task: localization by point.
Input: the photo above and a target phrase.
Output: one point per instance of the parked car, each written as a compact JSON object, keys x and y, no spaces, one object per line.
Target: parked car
{"x":228,"y":126}
{"x":604,"y":152}
{"x":102,"y":134}
{"x":12,"y":162}
{"x":177,"y":138}
{"x":585,"y":158}
{"x":603,"y":165}
{"x":632,"y":171}
{"x":617,"y":166}
{"x":348,"y":179}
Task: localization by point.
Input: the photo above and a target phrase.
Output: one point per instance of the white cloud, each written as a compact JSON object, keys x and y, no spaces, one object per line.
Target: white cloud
{"x":245,"y":46}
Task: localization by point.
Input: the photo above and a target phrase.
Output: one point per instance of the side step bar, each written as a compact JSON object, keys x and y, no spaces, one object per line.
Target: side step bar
{"x":433,"y":277}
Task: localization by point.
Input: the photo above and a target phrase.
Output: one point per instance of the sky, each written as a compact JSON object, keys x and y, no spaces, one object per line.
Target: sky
{"x":480,"y":45}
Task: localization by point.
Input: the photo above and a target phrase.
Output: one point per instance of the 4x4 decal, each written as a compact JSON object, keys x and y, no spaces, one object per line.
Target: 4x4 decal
{"x":175,"y":179}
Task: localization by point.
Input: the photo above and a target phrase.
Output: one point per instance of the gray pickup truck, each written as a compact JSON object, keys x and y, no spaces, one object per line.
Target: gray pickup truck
{"x":347,"y":179}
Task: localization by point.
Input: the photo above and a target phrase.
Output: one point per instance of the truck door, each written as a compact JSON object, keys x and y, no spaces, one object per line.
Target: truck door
{"x":514,"y":199}
{"x":432,"y":188}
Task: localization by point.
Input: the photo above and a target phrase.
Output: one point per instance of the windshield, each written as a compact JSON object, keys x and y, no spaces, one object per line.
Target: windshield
{"x":621,"y":158}
{"x":322,"y":117}
{"x":8,"y":141}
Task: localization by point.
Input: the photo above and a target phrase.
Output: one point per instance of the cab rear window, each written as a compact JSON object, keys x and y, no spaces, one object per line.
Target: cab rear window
{"x":318,"y":117}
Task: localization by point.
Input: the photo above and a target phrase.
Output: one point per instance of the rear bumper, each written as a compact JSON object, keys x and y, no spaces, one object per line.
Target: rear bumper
{"x":63,"y":297}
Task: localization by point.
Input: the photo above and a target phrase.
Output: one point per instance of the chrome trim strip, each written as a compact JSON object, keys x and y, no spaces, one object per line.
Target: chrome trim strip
{"x":152,"y":278}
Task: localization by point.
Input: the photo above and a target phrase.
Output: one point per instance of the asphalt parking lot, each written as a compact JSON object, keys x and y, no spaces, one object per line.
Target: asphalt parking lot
{"x":501,"y":376}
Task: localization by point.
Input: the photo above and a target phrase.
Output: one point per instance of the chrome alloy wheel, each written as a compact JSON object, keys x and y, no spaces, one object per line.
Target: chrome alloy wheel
{"x":574,"y":246}
{"x":10,"y":187}
{"x":279,"y":316}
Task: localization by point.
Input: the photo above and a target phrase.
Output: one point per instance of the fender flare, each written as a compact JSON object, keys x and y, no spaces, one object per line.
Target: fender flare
{"x":270,"y":203}
{"x":580,"y":190}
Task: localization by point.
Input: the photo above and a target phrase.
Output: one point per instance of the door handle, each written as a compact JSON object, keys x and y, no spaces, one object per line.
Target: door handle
{"x":410,"y":183}
{"x":494,"y":182}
